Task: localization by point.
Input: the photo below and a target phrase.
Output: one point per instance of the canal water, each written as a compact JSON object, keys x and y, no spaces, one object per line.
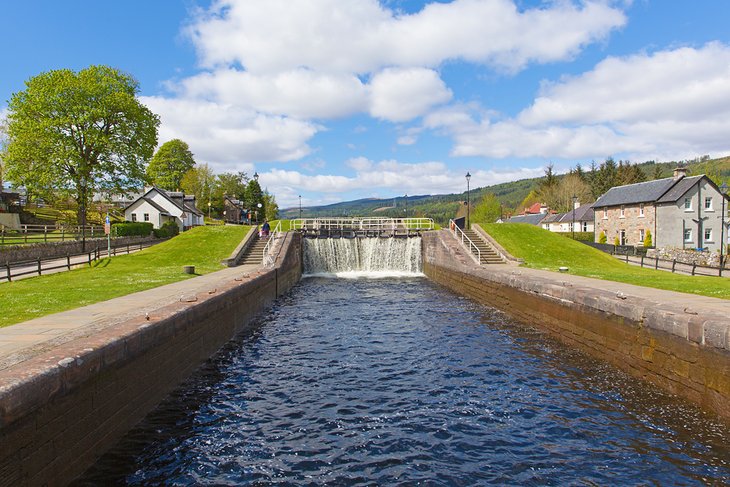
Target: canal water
{"x":397,"y":381}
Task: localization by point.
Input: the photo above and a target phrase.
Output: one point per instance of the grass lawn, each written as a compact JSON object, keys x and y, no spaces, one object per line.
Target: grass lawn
{"x":542,"y":249}
{"x":203,"y":247}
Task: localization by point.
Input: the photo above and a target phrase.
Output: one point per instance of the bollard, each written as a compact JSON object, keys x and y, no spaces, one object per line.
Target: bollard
{"x":189,"y":269}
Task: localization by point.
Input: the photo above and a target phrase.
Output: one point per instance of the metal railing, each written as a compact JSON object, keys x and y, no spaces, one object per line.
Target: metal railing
{"x":362,"y":224}
{"x":459,"y":234}
{"x":269,"y":259}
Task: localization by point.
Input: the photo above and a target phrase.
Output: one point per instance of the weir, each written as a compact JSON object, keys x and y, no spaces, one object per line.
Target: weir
{"x":363,"y":255}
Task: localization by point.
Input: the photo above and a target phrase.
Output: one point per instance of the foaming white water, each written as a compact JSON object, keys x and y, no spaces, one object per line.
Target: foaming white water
{"x":355,"y":258}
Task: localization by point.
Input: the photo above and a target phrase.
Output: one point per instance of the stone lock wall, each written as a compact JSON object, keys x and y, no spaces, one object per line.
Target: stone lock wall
{"x":682,"y":351}
{"x":62,"y":409}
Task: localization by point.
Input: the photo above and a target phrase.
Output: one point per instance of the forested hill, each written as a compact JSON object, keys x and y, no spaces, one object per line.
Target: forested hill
{"x":510,"y":195}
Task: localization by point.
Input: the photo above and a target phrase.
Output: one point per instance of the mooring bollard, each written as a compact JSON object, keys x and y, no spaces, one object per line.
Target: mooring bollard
{"x":189,"y":269}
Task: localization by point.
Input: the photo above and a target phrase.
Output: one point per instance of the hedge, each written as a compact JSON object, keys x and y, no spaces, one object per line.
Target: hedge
{"x":168,"y":229}
{"x":132,"y":229}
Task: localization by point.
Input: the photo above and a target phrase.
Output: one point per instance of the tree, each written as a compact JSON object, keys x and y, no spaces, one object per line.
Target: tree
{"x":199,"y":181}
{"x":628,"y":173}
{"x":230,"y":184}
{"x":270,"y":206}
{"x":254,"y":197}
{"x":79,"y":132}
{"x":647,"y":239}
{"x":169,"y":164}
{"x":487,"y":210}
{"x":602,"y":237}
{"x":605,"y":178}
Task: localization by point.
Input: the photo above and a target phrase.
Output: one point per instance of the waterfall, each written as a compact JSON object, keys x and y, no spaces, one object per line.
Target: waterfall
{"x":356,"y":257}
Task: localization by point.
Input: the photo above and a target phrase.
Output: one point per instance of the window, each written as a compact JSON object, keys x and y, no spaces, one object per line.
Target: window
{"x":623,"y":237}
{"x":622,"y":215}
{"x":708,"y":203}
{"x":641,"y":209}
{"x":605,"y":213}
{"x":641,"y":235}
{"x":708,"y":234}
{"x":687,"y":234}
{"x":687,"y":204}
{"x":134,"y":217}
{"x":584,"y":227}
{"x":146,"y":217}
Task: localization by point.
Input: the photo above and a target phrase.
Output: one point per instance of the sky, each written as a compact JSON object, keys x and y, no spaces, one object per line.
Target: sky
{"x":336,"y":100}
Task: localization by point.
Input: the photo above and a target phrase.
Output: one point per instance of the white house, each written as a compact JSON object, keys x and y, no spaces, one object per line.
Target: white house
{"x":158,"y":206}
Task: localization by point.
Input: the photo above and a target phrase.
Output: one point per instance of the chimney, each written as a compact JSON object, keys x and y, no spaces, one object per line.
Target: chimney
{"x":680,"y":172}
{"x":576,"y":204}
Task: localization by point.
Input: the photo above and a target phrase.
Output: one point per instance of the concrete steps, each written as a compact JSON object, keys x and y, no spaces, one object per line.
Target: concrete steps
{"x":488,"y":254}
{"x":254,"y":254}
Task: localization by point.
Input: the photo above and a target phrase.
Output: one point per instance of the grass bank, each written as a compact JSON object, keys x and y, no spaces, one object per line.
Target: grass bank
{"x":542,"y":249}
{"x":203,"y":247}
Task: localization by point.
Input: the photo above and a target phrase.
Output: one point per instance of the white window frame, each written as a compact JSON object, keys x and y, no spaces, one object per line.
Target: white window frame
{"x":708,"y":199}
{"x":605,"y":213}
{"x":622,"y":213}
{"x":688,"y":204}
{"x":708,"y":239}
{"x":146,"y":217}
{"x":688,"y":235}
{"x":641,"y":209}
{"x":642,"y":235}
{"x":584,"y":227}
{"x":134,"y":217}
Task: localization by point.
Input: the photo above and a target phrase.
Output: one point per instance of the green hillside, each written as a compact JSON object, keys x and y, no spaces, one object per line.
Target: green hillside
{"x":443,"y":207}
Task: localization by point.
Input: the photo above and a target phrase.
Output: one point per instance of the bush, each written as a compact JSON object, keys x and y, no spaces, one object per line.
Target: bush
{"x":132,"y":229}
{"x":602,"y":238}
{"x":647,"y":239}
{"x":616,"y":242}
{"x":168,"y":229}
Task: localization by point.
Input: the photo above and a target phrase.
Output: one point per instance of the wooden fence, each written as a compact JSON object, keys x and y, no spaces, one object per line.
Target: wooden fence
{"x":47,"y":233}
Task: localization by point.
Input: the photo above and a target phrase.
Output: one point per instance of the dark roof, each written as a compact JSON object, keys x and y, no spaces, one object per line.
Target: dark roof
{"x":532,"y":218}
{"x":193,"y":209}
{"x":552,"y":218}
{"x":635,"y":193}
{"x":582,"y":213}
{"x":679,"y":189}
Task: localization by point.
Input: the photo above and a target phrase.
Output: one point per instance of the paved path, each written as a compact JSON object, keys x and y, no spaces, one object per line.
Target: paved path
{"x":24,"y":340}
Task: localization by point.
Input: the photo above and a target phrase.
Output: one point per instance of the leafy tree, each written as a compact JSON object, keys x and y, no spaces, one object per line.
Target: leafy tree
{"x":79,"y":132}
{"x":230,"y":184}
{"x":271,"y":206}
{"x":199,"y":181}
{"x":487,"y":210}
{"x":169,"y":164}
{"x":254,"y":197}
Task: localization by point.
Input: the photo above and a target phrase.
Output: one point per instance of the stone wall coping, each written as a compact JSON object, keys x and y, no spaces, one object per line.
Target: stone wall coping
{"x":33,"y":382}
{"x":699,"y":319}
{"x":237,"y":253}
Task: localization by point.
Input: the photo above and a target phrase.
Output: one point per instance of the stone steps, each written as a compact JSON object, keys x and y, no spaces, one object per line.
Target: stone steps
{"x":488,"y":254}
{"x":255,"y":252}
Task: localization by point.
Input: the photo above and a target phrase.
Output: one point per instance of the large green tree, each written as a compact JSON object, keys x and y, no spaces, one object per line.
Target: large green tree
{"x":169,"y":164}
{"x":200,"y":181}
{"x":488,"y":210}
{"x":79,"y":132}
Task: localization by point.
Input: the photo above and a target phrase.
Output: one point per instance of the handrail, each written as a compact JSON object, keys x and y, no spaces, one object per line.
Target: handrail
{"x":268,"y":260}
{"x":455,"y":228}
{"x":368,"y":223}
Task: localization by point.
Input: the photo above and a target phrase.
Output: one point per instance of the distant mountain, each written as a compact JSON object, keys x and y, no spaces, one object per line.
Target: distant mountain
{"x":443,"y":207}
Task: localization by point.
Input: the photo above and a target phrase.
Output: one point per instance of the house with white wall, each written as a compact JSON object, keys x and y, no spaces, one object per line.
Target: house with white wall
{"x":158,"y":206}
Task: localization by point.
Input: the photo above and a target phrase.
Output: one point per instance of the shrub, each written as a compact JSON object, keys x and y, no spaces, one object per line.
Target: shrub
{"x":616,"y":241}
{"x":647,"y":239}
{"x":132,"y":229}
{"x":602,"y":238}
{"x":168,"y":229}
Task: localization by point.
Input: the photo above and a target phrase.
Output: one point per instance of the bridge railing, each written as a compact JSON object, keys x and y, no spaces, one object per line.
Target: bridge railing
{"x":465,"y":241}
{"x":362,"y":224}
{"x":269,"y":256}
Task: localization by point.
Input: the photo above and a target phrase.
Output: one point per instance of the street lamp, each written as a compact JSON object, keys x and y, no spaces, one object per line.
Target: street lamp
{"x":723,"y":238}
{"x":256,"y":176}
{"x":406,"y":208}
{"x":300,"y":207}
{"x":575,"y":200}
{"x":208,"y":210}
{"x":468,"y":200}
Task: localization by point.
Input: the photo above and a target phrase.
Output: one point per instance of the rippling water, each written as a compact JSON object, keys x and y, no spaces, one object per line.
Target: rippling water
{"x":400,"y":382}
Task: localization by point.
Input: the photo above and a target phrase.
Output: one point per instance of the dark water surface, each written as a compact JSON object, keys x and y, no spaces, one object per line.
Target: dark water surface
{"x":400,"y":382}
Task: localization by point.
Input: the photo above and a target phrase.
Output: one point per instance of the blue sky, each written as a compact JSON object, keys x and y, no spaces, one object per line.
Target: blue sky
{"x":342,"y":99}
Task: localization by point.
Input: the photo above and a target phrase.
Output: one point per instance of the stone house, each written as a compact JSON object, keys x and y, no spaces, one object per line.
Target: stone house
{"x":681,"y":212}
{"x":158,"y":206}
{"x":233,"y":210}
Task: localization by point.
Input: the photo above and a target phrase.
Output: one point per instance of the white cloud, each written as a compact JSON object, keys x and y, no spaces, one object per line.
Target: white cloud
{"x":670,"y":104}
{"x":229,"y":137}
{"x":361,"y":36}
{"x":399,"y":94}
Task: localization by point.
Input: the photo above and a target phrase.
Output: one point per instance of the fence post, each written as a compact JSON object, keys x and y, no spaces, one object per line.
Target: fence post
{"x":642,"y":261}
{"x":68,"y":262}
{"x":694,"y":266}
{"x":674,"y":264}
{"x":39,"y":266}
{"x":7,"y":265}
{"x":656,"y":263}
{"x":89,"y":259}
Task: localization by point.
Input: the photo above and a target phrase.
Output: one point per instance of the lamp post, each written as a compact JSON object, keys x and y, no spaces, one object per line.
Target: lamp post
{"x":468,"y":200}
{"x":723,"y":237}
{"x":208,"y":210}
{"x":572,"y":226}
{"x":300,"y":207}
{"x":256,"y":176}
{"x":406,"y":208}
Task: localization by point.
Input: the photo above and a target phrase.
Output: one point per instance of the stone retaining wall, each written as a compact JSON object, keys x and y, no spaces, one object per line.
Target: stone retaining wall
{"x":687,"y":256}
{"x":62,"y":409}
{"x":684,"y":351}
{"x":50,"y":250}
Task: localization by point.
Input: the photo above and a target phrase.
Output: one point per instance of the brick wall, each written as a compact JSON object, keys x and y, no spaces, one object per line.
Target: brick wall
{"x":681,"y":350}
{"x":631,"y":222}
{"x":62,"y":409}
